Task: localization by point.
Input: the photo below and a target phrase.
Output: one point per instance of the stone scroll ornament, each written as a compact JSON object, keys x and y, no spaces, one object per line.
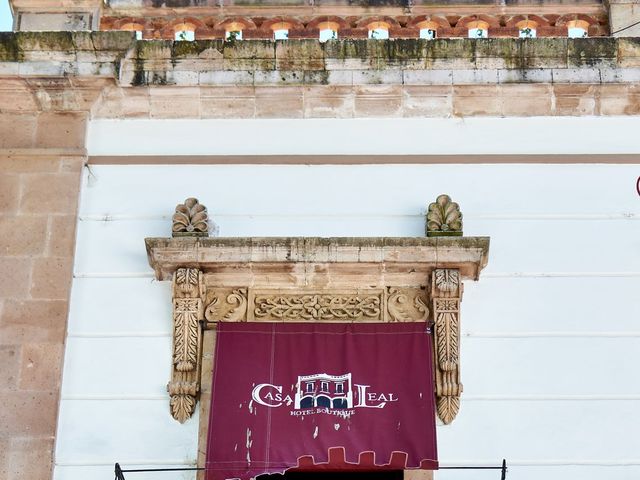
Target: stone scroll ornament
{"x":190,"y":219}
{"x":188,"y":311}
{"x":446,"y":293}
{"x":444,"y":218}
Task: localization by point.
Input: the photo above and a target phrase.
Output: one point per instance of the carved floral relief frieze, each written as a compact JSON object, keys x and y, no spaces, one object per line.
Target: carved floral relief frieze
{"x":226,"y":305}
{"x":392,"y":304}
{"x":407,"y":304}
{"x":318,"y":306}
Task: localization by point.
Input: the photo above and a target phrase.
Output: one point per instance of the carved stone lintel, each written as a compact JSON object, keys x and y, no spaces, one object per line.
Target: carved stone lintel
{"x":446,"y":293}
{"x":444,"y":218}
{"x":318,"y":307}
{"x":390,"y":304}
{"x":188,"y":311}
{"x":190,"y":219}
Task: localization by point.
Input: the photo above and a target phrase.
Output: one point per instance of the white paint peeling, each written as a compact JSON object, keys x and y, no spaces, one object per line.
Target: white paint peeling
{"x":336,"y":426}
{"x":316,"y":432}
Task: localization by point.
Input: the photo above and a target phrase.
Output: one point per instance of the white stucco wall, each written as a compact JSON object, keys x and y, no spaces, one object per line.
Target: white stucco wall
{"x":551,"y":339}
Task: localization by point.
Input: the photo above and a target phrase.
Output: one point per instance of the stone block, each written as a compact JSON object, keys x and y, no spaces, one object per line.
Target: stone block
{"x":299,"y":55}
{"x":620,"y":75}
{"x":275,"y":77}
{"x":427,"y":77}
{"x":29,"y":164}
{"x":226,"y":77}
{"x":629,"y":52}
{"x":31,"y":458}
{"x":378,"y":100}
{"x":279,"y":102}
{"x":477,"y":100}
{"x":475,"y":77}
{"x":62,"y":234}
{"x":14,"y":283}
{"x":17,"y":130}
{"x":592,"y":52}
{"x":328,"y":102}
{"x":377,"y":77}
{"x":38,"y":321}
{"x":576,"y":75}
{"x":526,"y":100}
{"x":227,"y":102}
{"x":9,"y":192}
{"x":41,"y":366}
{"x":25,"y":414}
{"x":427,"y":101}
{"x":530,"y":75}
{"x":61,"y":130}
{"x":618,"y":100}
{"x":255,"y":49}
{"x":22,"y":234}
{"x":174,"y":102}
{"x":75,"y":164}
{"x":9,"y":366}
{"x":51,"y":278}
{"x":574,"y":101}
{"x":50,"y":193}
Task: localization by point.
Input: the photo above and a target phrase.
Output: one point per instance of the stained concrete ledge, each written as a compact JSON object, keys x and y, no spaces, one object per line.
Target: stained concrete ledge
{"x":119,"y":56}
{"x":379,"y":254}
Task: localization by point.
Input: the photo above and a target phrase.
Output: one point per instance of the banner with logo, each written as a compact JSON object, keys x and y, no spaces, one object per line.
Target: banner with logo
{"x":332,"y":396}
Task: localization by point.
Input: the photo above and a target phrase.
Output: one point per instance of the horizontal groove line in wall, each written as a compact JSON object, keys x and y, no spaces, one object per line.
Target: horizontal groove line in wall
{"x":118,"y":397}
{"x":126,"y":463}
{"x":114,"y":275}
{"x":558,"y":274}
{"x":118,"y":334}
{"x":482,"y":275}
{"x":543,"y":463}
{"x":550,"y":334}
{"x":135,"y":217}
{"x":568,"y":398}
{"x":464,"y":334}
{"x":464,"y":397}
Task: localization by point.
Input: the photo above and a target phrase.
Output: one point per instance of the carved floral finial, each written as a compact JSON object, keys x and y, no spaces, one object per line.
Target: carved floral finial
{"x":444,"y":218}
{"x":190,"y":220}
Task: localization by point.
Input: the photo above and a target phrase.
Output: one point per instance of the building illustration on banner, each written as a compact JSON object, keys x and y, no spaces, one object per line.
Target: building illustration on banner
{"x":323,"y":390}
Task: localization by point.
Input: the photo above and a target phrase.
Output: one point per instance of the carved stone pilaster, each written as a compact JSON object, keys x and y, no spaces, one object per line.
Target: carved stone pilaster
{"x":188,"y":311}
{"x":446,"y":294}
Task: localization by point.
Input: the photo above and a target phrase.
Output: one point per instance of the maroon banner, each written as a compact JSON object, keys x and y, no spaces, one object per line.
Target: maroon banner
{"x":333,"y":396}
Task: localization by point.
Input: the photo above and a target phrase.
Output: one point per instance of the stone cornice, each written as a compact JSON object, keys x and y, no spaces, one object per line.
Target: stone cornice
{"x":323,"y":259}
{"x":117,"y":55}
{"x":91,"y":72}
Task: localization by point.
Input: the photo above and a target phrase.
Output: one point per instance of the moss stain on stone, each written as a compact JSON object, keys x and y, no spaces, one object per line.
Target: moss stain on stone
{"x":9,"y":48}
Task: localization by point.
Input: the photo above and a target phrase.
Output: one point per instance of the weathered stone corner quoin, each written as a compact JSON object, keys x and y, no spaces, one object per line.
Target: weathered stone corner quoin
{"x":310,"y":279}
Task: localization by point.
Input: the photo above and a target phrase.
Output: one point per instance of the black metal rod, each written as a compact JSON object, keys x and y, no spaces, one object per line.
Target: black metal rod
{"x":469,"y":468}
{"x":119,"y":471}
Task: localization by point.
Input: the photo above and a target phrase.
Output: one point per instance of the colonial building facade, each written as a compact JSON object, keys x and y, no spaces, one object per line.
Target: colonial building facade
{"x":356,"y":160}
